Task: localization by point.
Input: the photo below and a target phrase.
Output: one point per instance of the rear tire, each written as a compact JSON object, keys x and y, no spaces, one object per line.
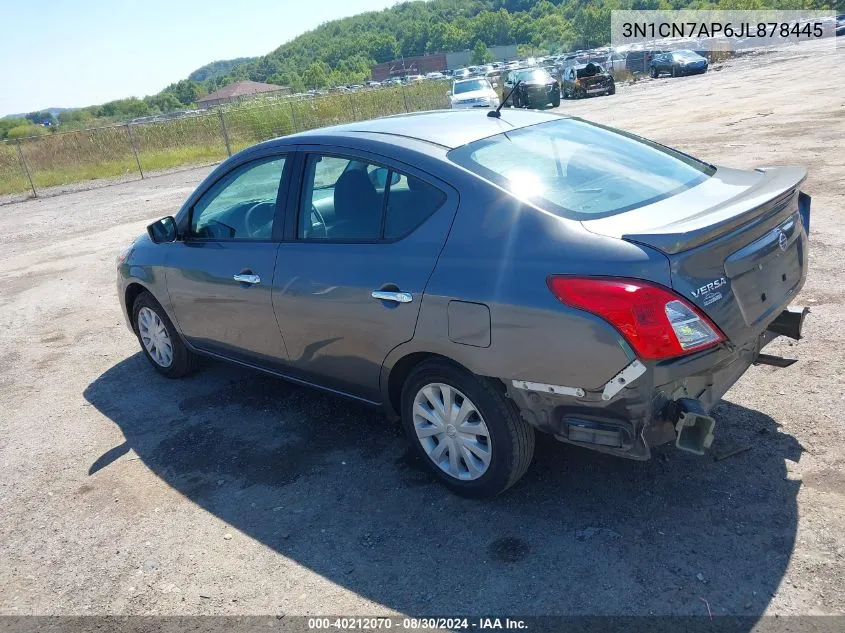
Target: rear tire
{"x":160,"y":342}
{"x":472,"y":413}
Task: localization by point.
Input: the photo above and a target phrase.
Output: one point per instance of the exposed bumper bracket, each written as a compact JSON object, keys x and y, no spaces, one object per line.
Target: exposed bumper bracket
{"x":694,"y":427}
{"x":623,"y":378}
{"x":560,"y":390}
{"x":789,"y":322}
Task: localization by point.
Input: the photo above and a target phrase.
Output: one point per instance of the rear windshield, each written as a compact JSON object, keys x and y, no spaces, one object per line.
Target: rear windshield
{"x":590,"y":70}
{"x":535,"y":74}
{"x":470,"y":86}
{"x":581,"y":170}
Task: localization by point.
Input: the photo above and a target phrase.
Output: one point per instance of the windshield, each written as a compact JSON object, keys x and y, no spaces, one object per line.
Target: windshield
{"x":686,"y":55}
{"x":581,"y":170}
{"x":470,"y":86}
{"x":535,"y":74}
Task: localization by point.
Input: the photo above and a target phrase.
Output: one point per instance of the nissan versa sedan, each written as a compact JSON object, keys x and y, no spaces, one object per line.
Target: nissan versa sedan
{"x":482,"y":276}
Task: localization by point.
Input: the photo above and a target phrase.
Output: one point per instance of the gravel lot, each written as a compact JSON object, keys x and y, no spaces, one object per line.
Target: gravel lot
{"x":233,"y":493}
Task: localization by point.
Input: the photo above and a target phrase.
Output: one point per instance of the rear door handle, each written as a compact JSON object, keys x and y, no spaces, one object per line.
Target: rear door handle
{"x":247,"y":278}
{"x":387,"y":295}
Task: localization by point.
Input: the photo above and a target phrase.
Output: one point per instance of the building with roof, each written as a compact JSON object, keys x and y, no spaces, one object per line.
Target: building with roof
{"x":240,"y":90}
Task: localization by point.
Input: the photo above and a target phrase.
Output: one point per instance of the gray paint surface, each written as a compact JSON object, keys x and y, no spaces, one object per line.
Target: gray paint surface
{"x":312,"y":318}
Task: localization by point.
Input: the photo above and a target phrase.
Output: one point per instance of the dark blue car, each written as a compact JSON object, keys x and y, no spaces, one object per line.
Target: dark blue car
{"x":677,"y":63}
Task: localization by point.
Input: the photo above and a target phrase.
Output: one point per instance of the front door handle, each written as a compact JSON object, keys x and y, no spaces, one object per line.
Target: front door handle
{"x":387,"y":295}
{"x":247,"y":278}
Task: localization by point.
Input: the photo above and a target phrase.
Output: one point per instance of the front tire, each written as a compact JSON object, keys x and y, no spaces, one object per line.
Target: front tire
{"x":653,"y":72}
{"x":556,"y":99}
{"x":160,"y":342}
{"x":468,"y":434}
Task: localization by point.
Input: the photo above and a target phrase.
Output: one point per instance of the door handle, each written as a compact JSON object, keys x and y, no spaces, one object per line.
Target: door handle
{"x":387,"y":295}
{"x":247,"y":278}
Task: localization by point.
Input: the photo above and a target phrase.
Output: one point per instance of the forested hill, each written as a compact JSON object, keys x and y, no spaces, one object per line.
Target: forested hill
{"x":342,"y":51}
{"x":218,"y":69}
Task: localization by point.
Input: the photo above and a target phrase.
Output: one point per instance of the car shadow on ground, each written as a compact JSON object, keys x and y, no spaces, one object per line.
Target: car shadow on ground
{"x":330,"y":484}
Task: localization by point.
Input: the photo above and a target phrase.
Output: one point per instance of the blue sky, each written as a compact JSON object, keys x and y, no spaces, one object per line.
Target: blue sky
{"x":70,"y":53}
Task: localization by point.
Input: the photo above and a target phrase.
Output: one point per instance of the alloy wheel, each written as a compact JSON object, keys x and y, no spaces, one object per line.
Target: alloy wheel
{"x":452,"y":431}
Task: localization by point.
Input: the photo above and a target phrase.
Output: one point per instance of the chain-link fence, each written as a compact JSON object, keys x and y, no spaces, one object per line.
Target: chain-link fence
{"x":57,"y":162}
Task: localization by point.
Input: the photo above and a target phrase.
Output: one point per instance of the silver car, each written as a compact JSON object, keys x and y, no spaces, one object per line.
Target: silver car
{"x":482,"y":276}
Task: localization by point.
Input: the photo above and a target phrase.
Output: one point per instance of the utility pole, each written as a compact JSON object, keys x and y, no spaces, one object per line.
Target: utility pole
{"x":224,"y":131}
{"x":134,"y":150}
{"x":26,"y":169}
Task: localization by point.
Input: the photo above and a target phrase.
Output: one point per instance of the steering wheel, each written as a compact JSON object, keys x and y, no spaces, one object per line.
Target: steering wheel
{"x":254,"y":226}
{"x":320,"y":221}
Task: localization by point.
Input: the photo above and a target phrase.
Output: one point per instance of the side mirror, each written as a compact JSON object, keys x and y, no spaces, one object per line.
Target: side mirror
{"x":495,"y":85}
{"x":379,"y":177}
{"x":163,"y":231}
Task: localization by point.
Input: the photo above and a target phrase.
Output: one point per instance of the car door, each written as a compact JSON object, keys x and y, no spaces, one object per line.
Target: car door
{"x":219,"y":276}
{"x":350,"y":279}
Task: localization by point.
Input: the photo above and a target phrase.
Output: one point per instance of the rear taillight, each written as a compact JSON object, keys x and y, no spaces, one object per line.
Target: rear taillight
{"x":656,"y":322}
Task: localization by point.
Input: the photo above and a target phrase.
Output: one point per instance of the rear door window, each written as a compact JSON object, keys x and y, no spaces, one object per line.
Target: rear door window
{"x":410,"y":202}
{"x":350,"y":200}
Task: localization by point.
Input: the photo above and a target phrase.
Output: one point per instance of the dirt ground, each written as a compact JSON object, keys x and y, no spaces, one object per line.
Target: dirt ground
{"x":233,"y":493}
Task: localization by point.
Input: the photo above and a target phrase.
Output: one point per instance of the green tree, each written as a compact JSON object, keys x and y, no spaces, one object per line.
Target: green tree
{"x":317,"y":75}
{"x":28,"y":129}
{"x":10,"y":124}
{"x":37,"y":118}
{"x":481,"y":54}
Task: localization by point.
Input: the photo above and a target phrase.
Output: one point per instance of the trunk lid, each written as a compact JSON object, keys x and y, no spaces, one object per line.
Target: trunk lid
{"x":736,"y":244}
{"x":594,"y":82}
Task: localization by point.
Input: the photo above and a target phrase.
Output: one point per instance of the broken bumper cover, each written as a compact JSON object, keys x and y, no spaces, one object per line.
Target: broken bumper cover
{"x":650,"y":403}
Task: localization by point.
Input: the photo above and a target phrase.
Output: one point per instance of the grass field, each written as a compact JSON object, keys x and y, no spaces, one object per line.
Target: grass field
{"x":64,"y":158}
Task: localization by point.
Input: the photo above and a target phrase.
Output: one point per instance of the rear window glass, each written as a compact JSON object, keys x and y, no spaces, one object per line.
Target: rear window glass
{"x":590,"y":70}
{"x":533,"y":75}
{"x":470,"y":86}
{"x":581,"y":170}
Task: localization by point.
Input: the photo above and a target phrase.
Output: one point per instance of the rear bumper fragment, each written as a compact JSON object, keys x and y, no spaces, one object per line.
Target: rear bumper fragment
{"x":667,"y":401}
{"x":789,"y":322}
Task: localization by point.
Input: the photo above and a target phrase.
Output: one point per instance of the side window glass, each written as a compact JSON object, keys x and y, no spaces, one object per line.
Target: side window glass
{"x":242,"y":206}
{"x":341,"y":200}
{"x":410,"y":202}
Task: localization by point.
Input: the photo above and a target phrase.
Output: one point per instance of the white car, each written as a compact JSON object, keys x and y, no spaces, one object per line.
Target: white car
{"x":473,"y":93}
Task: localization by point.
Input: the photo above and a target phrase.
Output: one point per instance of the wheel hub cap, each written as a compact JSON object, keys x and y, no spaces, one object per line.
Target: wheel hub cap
{"x":154,"y":337}
{"x":451,"y":431}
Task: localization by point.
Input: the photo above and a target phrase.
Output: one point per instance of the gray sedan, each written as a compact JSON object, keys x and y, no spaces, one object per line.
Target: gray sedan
{"x":481,"y":278}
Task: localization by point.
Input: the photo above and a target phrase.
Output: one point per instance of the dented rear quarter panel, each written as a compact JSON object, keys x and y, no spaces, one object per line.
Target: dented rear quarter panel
{"x":500,"y":253}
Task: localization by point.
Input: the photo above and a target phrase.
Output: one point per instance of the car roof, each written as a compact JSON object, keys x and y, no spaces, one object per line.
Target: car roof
{"x":446,"y":128}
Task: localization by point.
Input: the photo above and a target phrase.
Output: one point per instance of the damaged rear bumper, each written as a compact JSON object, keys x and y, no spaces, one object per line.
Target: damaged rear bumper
{"x":650,"y":403}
